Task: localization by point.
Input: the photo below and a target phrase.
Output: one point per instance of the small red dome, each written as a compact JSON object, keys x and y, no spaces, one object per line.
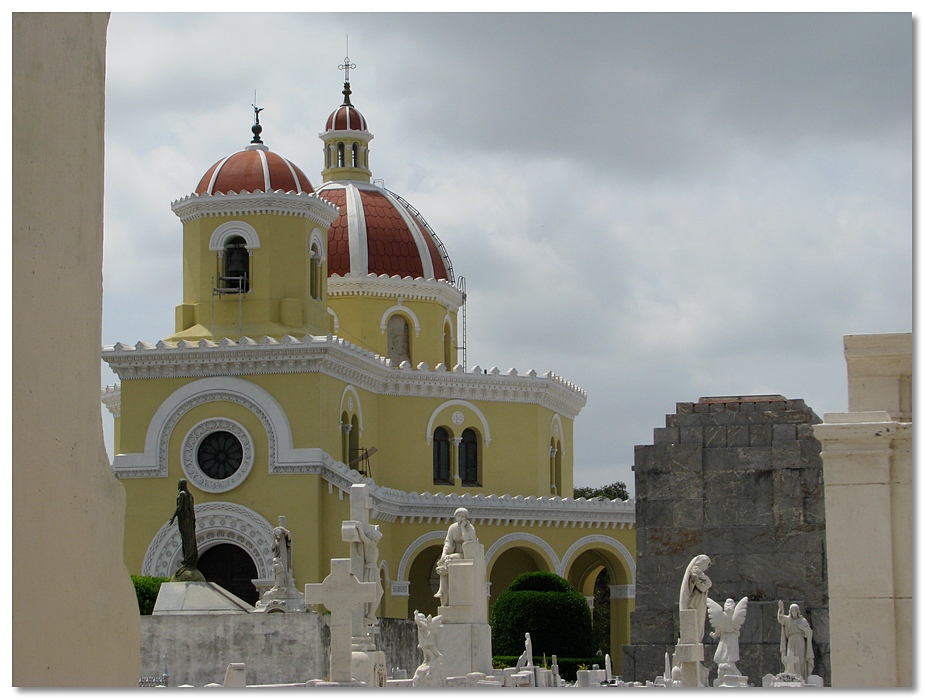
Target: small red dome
{"x":346,"y":118}
{"x":253,"y":169}
{"x":379,"y":233}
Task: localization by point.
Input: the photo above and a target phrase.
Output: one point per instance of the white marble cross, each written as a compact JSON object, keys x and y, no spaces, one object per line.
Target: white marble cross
{"x":361,"y":548}
{"x":341,"y":593}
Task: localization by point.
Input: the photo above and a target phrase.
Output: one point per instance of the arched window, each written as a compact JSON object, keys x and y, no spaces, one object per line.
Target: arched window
{"x":236,"y":265}
{"x":340,"y":155}
{"x":447,"y":346}
{"x":356,"y":155}
{"x":345,"y":437}
{"x":555,"y":467}
{"x":399,"y":343}
{"x":327,"y":156}
{"x":314,"y":283}
{"x":469,"y":458}
{"x":442,"y":456}
{"x":354,"y":439}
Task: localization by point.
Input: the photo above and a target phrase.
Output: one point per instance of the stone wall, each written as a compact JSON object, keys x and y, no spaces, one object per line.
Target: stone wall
{"x":740,"y":480}
{"x":275,"y":648}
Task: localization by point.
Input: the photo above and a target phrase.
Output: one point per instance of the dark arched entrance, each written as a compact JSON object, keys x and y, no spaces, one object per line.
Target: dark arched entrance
{"x":231,"y":568}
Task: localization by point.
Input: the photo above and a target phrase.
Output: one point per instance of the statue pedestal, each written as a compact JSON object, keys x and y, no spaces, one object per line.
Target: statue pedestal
{"x":281,"y":600}
{"x":368,"y":666}
{"x":465,"y":637}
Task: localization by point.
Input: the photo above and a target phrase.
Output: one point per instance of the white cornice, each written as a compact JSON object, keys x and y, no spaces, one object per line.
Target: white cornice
{"x":410,"y":289}
{"x":342,"y":360}
{"x":311,"y":206}
{"x":111,"y":397}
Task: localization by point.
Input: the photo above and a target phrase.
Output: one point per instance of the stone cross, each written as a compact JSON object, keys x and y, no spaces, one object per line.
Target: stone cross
{"x":689,"y":650}
{"x":341,"y":593}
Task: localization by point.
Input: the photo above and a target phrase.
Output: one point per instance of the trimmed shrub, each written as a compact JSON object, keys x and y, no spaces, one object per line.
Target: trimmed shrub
{"x":146,"y":590}
{"x":556,"y":616}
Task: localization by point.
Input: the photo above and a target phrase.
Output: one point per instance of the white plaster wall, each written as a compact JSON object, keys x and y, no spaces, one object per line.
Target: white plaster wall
{"x":867,"y":465}
{"x":75,"y":616}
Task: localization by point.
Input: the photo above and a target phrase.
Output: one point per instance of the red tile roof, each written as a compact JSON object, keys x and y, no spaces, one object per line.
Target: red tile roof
{"x":251,"y":170}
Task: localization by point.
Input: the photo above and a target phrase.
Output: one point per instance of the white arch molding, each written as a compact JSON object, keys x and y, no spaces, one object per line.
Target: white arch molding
{"x":486,"y":431}
{"x":318,"y":239}
{"x":189,"y":455}
{"x":524,"y":537}
{"x":402,"y":311}
{"x":413,"y":548}
{"x":614,"y":544}
{"x":217,"y":522}
{"x":230,"y":229}
{"x":350,"y":392}
{"x":556,"y":432}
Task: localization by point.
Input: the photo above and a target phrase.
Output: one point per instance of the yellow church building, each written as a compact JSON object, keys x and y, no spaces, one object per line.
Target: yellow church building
{"x":318,"y":346}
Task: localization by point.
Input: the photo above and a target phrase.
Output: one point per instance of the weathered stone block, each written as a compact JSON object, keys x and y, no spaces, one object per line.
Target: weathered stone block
{"x":786,"y":455}
{"x":688,"y":512}
{"x":691,"y":434}
{"x":781,"y":433}
{"x":760,"y":435}
{"x":737,"y":436}
{"x":664,"y":436}
{"x":658,"y":626}
{"x":714,"y":436}
{"x":674,"y":540}
{"x":732,"y":512}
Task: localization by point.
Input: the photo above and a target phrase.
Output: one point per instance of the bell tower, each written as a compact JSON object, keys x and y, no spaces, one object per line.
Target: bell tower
{"x":254,"y":250}
{"x":346,"y":139}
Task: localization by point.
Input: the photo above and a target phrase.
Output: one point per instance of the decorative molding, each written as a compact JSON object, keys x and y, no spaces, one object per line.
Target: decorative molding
{"x":623,"y":592}
{"x":342,"y":360}
{"x":318,"y":239}
{"x":519,"y":537}
{"x":310,"y":206}
{"x":411,"y":288}
{"x":111,"y":396}
{"x":217,"y":522}
{"x":349,"y":393}
{"x":401,"y":311}
{"x":412,"y":548}
{"x":486,"y":431}
{"x":614,"y":544}
{"x":234,"y":228}
{"x":401,"y":589}
{"x":190,"y":463}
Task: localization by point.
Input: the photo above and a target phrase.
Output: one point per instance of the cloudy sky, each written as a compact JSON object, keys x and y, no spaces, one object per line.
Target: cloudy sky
{"x":656,"y":207}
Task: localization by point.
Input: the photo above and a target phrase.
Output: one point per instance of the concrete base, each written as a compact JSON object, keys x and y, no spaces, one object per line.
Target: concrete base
{"x":466,"y":648}
{"x":198,"y":598}
{"x":368,"y":667}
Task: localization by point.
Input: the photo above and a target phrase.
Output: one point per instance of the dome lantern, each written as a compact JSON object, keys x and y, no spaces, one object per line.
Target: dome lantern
{"x":346,"y":139}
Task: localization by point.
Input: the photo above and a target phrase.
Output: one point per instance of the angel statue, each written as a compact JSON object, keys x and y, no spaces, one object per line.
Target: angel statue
{"x":727,"y":620}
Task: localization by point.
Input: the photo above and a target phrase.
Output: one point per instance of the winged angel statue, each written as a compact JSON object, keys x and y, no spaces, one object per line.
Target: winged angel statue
{"x":727,"y":620}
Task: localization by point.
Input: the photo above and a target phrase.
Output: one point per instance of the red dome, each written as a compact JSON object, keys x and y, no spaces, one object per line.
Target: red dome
{"x":346,"y":118}
{"x":387,"y":235}
{"x":253,"y":169}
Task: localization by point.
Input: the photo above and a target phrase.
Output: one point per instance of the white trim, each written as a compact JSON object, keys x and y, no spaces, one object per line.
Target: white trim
{"x":190,"y":462}
{"x":525,"y":537}
{"x":412,"y":548}
{"x":408,"y":288}
{"x":356,"y":231}
{"x":336,"y":319}
{"x":228,"y":229}
{"x":486,"y":431}
{"x":399,"y":309}
{"x":217,"y":522}
{"x":265,"y":168}
{"x":310,"y":206}
{"x":555,"y":421}
{"x":319,"y":239}
{"x":618,"y":546}
{"x":351,"y":390}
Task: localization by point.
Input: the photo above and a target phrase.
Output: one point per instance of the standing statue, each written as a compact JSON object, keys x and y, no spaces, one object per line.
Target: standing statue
{"x":368,"y":546}
{"x":727,"y":621}
{"x":694,"y":590}
{"x":282,"y":550}
{"x":526,"y":659}
{"x":796,"y":641}
{"x":185,"y":515}
{"x":431,"y":673}
{"x":460,"y":531}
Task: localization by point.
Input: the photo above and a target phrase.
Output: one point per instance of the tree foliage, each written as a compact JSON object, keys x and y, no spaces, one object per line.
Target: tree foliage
{"x":550,"y":609}
{"x":616,"y":490}
{"x":146,"y":590}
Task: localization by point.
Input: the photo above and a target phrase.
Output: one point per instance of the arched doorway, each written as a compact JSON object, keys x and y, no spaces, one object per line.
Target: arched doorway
{"x":231,"y":568}
{"x":424,"y":581}
{"x":509,"y":565}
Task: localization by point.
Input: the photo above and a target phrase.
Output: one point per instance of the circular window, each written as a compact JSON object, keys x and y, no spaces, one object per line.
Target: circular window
{"x":220,"y":454}
{"x":217,"y":455}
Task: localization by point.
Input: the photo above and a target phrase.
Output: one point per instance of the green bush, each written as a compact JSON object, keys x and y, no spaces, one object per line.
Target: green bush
{"x":146,"y":590}
{"x":545,"y":605}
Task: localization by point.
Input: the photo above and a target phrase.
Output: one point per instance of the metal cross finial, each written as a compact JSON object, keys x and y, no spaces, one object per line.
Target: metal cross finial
{"x":346,"y":66}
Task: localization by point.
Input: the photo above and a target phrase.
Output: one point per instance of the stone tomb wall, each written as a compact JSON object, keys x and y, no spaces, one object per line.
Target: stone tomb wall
{"x":740,"y":480}
{"x":274,"y":647}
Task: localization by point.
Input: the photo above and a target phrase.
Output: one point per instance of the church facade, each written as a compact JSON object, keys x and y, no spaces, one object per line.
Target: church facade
{"x":317,"y":346}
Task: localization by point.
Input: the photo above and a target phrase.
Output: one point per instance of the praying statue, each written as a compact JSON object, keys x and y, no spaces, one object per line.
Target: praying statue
{"x":185,"y":515}
{"x":694,"y":590}
{"x":282,"y":551}
{"x":727,"y":621}
{"x":459,"y":532}
{"x":796,"y":641}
